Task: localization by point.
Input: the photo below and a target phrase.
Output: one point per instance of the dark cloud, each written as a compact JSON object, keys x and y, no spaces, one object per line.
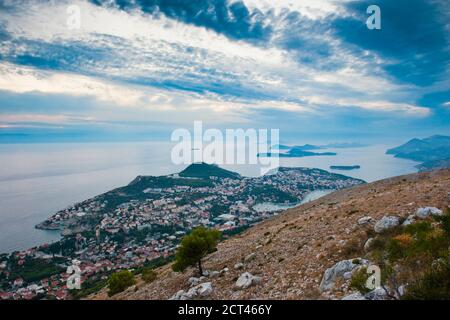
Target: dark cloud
{"x":413,"y":36}
{"x":232,"y":19}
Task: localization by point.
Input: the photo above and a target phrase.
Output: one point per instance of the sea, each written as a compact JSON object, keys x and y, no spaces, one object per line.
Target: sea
{"x":37,"y":180}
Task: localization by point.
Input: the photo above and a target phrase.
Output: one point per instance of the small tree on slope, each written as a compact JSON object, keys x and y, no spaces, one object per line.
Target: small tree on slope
{"x":195,"y":246}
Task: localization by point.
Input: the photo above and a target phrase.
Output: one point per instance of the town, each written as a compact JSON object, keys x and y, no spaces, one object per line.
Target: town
{"x":141,"y":224}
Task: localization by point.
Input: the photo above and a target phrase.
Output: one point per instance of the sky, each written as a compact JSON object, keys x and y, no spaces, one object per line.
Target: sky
{"x":136,"y":70}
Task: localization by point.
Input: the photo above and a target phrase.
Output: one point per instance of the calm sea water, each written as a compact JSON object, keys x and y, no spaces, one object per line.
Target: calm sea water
{"x":36,"y":180}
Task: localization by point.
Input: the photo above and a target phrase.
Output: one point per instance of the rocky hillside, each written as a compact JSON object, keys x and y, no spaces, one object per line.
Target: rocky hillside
{"x":286,"y":257}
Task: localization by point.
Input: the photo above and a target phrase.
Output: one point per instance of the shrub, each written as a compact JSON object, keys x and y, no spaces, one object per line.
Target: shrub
{"x":200,"y":242}
{"x":433,"y":285}
{"x":353,"y":247}
{"x":120,"y":281}
{"x":359,"y":279}
{"x":149,"y":275}
{"x":417,"y":255}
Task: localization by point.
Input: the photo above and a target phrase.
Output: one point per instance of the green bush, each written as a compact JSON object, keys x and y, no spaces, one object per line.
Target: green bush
{"x":149,"y":275}
{"x":433,"y":285}
{"x":359,"y":279}
{"x":417,"y":255}
{"x":120,"y":281}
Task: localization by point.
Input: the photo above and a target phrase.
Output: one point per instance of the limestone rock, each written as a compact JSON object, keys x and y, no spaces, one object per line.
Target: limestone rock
{"x":354,"y":296}
{"x":246,"y":280}
{"x":193,"y":281}
{"x":199,"y":291}
{"x":338,"y":270}
{"x":386,"y":223}
{"x":423,"y":213}
{"x":377,"y":294}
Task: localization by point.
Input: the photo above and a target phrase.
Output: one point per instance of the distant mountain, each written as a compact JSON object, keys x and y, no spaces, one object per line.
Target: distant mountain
{"x":204,"y":170}
{"x":428,"y":149}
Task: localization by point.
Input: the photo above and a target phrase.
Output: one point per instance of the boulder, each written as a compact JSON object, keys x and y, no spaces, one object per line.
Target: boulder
{"x":199,"y":291}
{"x":364,"y":220}
{"x":178,"y":295}
{"x":214,"y":274}
{"x":193,"y":281}
{"x":338,"y":270}
{"x":204,"y":289}
{"x":354,"y":296}
{"x":423,"y":213}
{"x":377,"y":294}
{"x":246,"y":280}
{"x":386,"y":223}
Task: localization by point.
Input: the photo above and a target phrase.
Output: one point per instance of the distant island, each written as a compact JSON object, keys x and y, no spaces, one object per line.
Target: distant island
{"x":297,"y":152}
{"x":306,"y":150}
{"x":309,"y":147}
{"x":345,"y":167}
{"x":433,"y":152}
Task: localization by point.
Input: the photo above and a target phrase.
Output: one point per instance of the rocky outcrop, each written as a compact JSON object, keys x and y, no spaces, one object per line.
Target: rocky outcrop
{"x":354,"y":296}
{"x":376,"y":294}
{"x":386,"y":223}
{"x":338,"y":270}
{"x":200,"y":291}
{"x":246,"y":280}
{"x":423,"y":213}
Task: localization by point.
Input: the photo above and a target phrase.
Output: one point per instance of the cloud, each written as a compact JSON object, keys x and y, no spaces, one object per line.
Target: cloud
{"x":175,"y":61}
{"x":413,"y":40}
{"x":231,"y":18}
